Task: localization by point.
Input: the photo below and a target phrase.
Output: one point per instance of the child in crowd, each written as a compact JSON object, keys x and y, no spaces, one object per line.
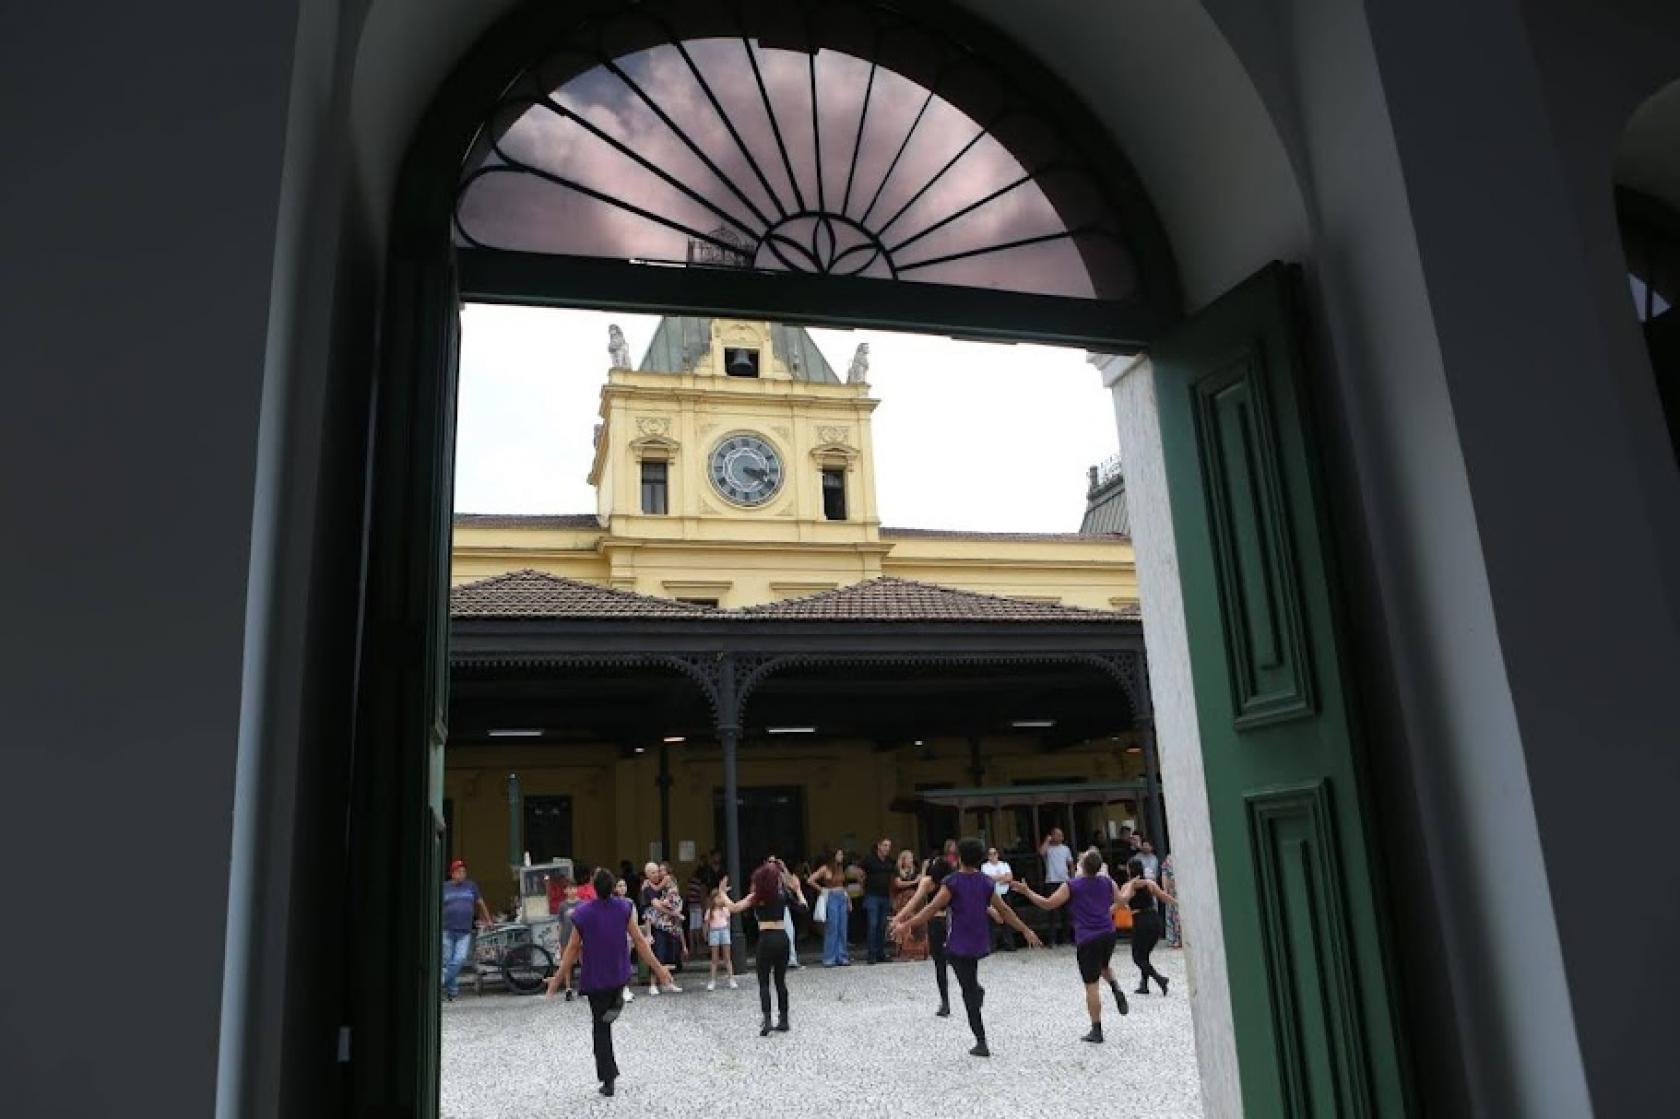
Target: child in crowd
{"x":569,"y":901}
{"x":717,"y":938}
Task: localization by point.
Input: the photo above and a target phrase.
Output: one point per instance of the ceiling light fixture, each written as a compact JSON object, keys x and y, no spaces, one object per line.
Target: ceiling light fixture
{"x":1134,"y":749}
{"x":918,"y":742}
{"x":673,"y":739}
{"x":517,"y":732}
{"x":1025,"y":724}
{"x":790,"y":730}
{"x":641,"y":749}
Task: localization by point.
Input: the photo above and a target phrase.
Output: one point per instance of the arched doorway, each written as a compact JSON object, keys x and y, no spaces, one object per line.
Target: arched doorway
{"x":1314,"y":1024}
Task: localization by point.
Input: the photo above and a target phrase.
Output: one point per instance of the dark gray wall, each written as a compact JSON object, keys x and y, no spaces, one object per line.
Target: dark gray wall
{"x":140,"y":200}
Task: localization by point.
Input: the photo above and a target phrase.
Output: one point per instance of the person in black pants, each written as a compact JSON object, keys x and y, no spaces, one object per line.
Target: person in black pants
{"x":608,"y":924}
{"x":1058,"y":868}
{"x":933,"y":873}
{"x":770,"y":899}
{"x":1145,"y":899}
{"x":969,"y":896}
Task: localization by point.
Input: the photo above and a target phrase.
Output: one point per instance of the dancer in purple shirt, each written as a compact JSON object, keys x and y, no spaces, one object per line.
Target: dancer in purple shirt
{"x":1093,"y":897}
{"x":968,"y":895}
{"x":601,"y":926}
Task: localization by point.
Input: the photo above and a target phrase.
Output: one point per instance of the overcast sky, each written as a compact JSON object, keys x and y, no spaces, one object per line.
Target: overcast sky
{"x":968,"y":435}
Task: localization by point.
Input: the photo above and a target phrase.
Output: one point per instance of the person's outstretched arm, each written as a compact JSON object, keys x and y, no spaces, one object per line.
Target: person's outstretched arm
{"x":659,"y":970}
{"x":1009,"y":918}
{"x":939,"y":902}
{"x":924,"y":887}
{"x":1056,"y":900}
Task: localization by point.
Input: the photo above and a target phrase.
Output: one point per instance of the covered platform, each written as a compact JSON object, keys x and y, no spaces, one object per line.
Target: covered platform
{"x":916,"y":680}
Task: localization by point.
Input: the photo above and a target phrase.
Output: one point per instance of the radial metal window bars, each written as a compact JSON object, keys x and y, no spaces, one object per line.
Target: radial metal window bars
{"x":848,"y":139}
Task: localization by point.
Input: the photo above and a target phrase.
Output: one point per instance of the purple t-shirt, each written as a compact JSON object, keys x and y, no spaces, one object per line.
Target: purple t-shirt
{"x":606,"y":948}
{"x":1092,"y":903}
{"x":460,"y":900}
{"x":971,"y":895}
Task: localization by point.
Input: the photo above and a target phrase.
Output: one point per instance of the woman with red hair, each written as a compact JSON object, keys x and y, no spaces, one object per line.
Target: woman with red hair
{"x":773,"y":894}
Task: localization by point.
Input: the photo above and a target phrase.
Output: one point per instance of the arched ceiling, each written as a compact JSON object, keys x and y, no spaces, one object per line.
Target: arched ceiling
{"x":1649,"y":157}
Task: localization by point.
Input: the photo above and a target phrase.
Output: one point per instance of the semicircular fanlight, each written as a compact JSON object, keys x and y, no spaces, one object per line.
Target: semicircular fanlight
{"x":841,"y":139}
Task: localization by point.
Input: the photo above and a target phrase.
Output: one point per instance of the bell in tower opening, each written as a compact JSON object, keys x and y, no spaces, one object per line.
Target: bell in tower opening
{"x":740,"y":361}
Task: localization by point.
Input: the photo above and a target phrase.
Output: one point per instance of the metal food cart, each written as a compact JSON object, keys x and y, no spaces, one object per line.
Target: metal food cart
{"x":523,"y":953}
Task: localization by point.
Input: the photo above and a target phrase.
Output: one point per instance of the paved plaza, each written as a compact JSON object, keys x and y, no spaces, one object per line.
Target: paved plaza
{"x":864,"y":1043}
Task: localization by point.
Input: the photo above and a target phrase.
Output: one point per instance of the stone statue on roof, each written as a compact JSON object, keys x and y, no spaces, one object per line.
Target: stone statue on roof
{"x":858,"y":372}
{"x":618,"y":347}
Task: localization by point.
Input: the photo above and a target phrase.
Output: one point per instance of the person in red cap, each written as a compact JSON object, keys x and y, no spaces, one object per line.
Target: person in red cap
{"x":461,"y":902}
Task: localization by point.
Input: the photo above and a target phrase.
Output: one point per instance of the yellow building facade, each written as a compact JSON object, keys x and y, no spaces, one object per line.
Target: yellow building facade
{"x":733,"y":468}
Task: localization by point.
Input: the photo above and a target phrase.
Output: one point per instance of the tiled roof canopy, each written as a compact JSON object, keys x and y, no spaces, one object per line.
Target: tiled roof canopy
{"x":537,"y":594}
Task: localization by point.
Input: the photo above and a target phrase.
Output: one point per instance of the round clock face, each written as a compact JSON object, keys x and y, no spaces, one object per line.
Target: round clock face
{"x":746,"y":470}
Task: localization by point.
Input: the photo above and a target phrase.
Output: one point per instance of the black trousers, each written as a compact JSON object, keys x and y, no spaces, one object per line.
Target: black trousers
{"x":974,"y":995}
{"x":1147,"y":928}
{"x":941,"y":963}
{"x":603,"y":1008}
{"x":773,"y":951}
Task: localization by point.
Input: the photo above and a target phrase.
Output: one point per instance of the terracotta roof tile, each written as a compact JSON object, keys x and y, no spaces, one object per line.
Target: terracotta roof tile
{"x":906,"y":600}
{"x":537,"y":594}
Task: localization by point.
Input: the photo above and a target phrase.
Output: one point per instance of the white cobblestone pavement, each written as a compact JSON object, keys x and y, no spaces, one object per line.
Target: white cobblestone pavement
{"x":864,"y":1042}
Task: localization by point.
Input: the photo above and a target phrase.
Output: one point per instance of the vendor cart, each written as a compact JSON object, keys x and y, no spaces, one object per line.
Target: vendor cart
{"x":522,"y":953}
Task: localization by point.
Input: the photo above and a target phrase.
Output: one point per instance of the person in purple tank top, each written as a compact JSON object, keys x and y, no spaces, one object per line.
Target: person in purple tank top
{"x":601,"y":926}
{"x":1092,"y":898}
{"x":968,"y":895}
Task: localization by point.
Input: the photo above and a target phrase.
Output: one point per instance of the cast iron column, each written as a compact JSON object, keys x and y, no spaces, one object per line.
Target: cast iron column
{"x":664,"y":784}
{"x":729,"y":734}
{"x":1154,"y":819}
{"x":516,"y":838}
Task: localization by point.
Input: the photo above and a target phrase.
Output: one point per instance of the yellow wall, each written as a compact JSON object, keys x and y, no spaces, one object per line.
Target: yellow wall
{"x":848,"y":788}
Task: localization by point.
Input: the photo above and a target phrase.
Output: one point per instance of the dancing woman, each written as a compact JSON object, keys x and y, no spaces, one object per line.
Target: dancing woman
{"x":602,"y":925}
{"x":933,"y":874}
{"x":1093,"y":897}
{"x":968,"y":895}
{"x":772,"y":887}
{"x":1145,"y":899}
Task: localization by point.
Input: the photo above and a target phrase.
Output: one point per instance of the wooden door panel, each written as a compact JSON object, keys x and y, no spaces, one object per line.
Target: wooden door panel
{"x":1306,"y":946}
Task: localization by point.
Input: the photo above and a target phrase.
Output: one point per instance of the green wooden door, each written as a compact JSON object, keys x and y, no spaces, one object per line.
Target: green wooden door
{"x":1316,"y":1026}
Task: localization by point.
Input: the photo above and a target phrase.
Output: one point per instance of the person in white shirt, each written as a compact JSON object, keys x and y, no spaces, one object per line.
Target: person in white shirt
{"x":998,"y":871}
{"x":1058,"y":864}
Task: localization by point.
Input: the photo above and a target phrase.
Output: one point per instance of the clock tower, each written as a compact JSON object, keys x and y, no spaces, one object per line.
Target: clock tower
{"x":734,"y":455}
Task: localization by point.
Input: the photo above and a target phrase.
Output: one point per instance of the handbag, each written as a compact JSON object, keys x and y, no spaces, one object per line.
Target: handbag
{"x":819,"y":911}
